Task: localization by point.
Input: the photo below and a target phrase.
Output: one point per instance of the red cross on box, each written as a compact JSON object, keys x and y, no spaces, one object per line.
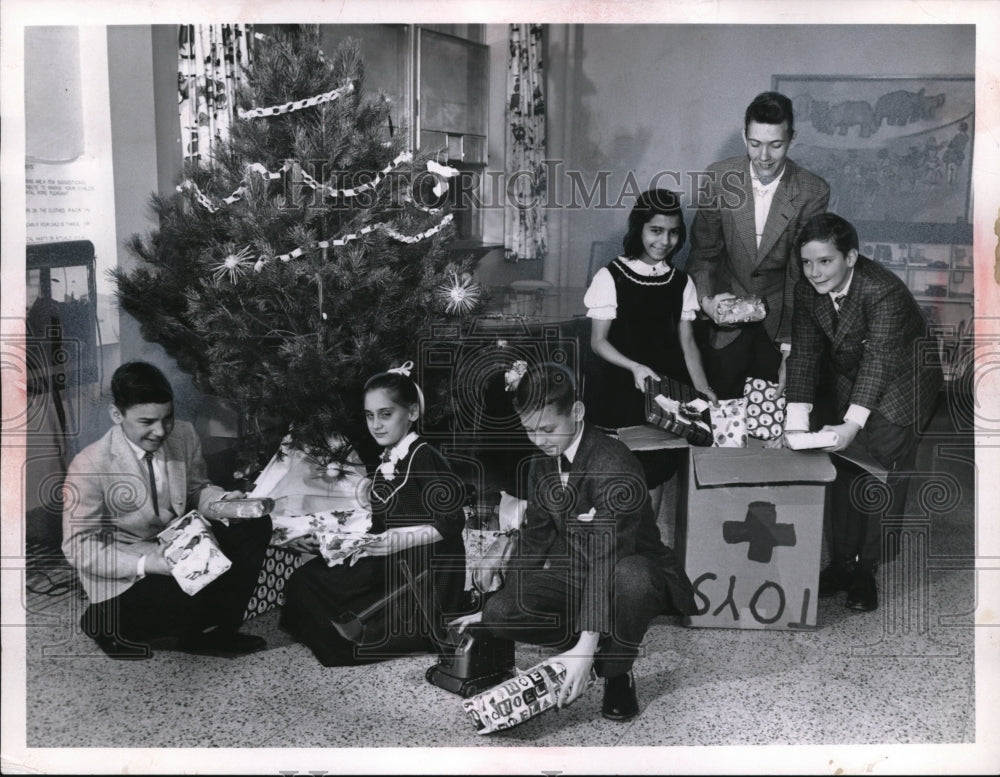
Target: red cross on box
{"x":749,"y":530}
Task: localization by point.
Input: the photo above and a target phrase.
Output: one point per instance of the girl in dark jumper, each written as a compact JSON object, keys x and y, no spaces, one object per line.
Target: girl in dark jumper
{"x":642,"y":312}
{"x":416,"y":504}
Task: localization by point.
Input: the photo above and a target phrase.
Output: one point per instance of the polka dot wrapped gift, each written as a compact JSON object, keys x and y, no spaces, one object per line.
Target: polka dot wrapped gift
{"x":729,"y":423}
{"x":765,"y":409}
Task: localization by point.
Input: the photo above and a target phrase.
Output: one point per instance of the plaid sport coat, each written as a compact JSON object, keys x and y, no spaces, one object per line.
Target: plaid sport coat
{"x":724,"y":254}
{"x":879,"y":350}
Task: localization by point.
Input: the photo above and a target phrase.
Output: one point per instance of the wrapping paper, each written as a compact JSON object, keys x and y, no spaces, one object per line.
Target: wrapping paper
{"x":765,"y":409}
{"x":681,"y":419}
{"x":741,"y":310}
{"x":192,"y":553}
{"x":240,"y":508}
{"x":335,"y":534}
{"x":517,"y":700}
{"x":337,"y":546}
{"x":729,"y":427}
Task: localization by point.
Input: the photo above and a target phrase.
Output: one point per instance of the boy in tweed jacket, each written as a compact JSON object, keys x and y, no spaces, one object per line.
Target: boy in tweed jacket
{"x":860,"y":322}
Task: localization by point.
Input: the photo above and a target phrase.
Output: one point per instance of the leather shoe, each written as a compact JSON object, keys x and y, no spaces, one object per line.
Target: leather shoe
{"x":620,"y":702}
{"x":222,"y":643}
{"x":121,"y":649}
{"x":835,"y":578}
{"x":863,"y":591}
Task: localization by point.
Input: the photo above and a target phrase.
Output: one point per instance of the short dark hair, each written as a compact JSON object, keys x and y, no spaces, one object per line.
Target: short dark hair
{"x":828,"y":228}
{"x":402,"y":390}
{"x":139,"y":383}
{"x":654,"y":202}
{"x":770,"y":108}
{"x":545,"y":384}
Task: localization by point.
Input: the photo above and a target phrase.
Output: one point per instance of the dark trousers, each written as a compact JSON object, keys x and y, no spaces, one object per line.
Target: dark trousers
{"x":156,"y":607}
{"x":859,"y":501}
{"x":317,"y":595}
{"x":540,"y":607}
{"x":751,"y":354}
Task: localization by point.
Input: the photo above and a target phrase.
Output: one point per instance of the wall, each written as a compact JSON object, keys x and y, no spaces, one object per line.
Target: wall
{"x":671,"y":97}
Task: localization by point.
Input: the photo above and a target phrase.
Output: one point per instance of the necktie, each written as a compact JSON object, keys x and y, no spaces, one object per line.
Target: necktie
{"x":564,"y":464}
{"x":152,"y":481}
{"x":837,"y":300}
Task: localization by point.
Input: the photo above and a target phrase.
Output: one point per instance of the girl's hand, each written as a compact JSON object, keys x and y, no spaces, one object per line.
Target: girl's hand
{"x":707,"y":391}
{"x":389,"y":542}
{"x":578,"y":664}
{"x":639,"y":374}
{"x":464,"y":621}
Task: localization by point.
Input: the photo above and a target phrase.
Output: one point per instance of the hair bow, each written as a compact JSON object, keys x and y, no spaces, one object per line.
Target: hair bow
{"x":403,"y":369}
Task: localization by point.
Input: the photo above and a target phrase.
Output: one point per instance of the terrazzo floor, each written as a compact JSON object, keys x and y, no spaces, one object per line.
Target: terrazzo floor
{"x":901,"y":675}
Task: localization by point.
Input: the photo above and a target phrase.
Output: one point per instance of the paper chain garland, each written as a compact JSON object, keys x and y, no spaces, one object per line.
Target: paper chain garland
{"x":296,"y":105}
{"x":394,"y":234}
{"x":307,"y":179}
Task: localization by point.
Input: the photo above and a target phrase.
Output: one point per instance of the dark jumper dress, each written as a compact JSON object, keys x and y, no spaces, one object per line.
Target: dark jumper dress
{"x":646,"y":329}
{"x":423,"y":491}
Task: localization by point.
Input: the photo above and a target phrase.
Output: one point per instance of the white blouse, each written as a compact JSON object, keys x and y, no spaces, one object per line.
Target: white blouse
{"x":601,"y":298}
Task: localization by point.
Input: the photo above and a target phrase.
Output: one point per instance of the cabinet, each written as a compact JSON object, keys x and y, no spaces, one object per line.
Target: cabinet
{"x":940,"y":276}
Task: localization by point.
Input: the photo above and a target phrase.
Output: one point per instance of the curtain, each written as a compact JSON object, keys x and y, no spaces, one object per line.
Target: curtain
{"x":210,"y":60}
{"x":525,"y":219}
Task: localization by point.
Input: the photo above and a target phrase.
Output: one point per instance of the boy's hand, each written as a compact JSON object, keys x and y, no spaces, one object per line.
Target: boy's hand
{"x":156,"y":564}
{"x":710,"y":305}
{"x":782,"y":374}
{"x":846,"y":432}
{"x":462,"y":622}
{"x":578,"y":661}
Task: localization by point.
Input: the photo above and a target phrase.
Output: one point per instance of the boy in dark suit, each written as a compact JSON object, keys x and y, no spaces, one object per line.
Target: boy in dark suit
{"x":741,"y":244}
{"x":124,"y":489}
{"x":588,"y":571}
{"x":861,"y":322}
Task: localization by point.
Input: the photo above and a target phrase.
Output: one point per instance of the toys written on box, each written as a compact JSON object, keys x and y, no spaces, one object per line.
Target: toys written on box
{"x":528,"y":694}
{"x":765,"y":411}
{"x":191,"y":552}
{"x":741,"y":310}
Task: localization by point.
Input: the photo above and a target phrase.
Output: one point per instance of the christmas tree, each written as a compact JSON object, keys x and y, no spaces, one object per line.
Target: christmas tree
{"x":308,"y":253}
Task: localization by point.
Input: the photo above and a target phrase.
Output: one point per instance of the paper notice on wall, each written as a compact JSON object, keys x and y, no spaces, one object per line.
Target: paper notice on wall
{"x":63,"y":201}
{"x":69,"y":195}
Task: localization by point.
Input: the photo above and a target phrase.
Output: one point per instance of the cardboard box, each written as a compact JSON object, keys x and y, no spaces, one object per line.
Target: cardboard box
{"x":749,"y":530}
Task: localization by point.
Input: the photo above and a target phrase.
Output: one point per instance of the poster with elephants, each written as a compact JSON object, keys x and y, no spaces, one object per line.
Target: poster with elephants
{"x":892,"y":149}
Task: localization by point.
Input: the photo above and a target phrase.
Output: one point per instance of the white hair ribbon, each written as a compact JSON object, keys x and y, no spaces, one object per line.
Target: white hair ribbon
{"x":403,"y":369}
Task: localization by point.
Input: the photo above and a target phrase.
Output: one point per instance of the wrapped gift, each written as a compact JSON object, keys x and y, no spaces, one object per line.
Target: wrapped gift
{"x":683,"y":419}
{"x":338,"y":546}
{"x":520,"y":698}
{"x":191,"y":552}
{"x":729,"y":427}
{"x":304,"y":530}
{"x":740,"y":310}
{"x":240,"y":509}
{"x":765,"y":409}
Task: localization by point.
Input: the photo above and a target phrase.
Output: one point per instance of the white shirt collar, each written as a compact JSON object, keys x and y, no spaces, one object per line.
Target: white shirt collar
{"x":141,"y":454}
{"x":771,"y":185}
{"x":644,"y":268}
{"x":401,"y":448}
{"x":570,"y":452}
{"x":843,"y":292}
